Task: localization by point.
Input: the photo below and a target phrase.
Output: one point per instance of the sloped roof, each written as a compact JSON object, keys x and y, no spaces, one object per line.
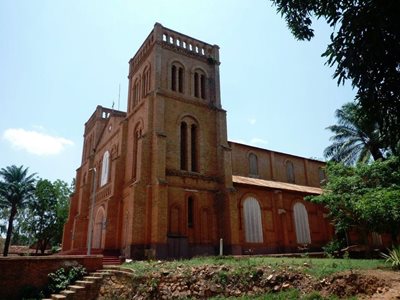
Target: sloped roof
{"x":276,"y":185}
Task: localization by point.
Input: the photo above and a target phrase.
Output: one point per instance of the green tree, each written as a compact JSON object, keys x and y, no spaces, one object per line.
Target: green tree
{"x":42,"y":211}
{"x":355,"y":139}
{"x":363,"y":197}
{"x":48,"y":212}
{"x":364,"y":48}
{"x":63,"y":193}
{"x":16,"y":190}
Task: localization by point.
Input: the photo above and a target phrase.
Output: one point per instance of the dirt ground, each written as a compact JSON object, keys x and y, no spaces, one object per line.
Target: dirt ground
{"x":391,"y":284}
{"x":211,"y":281}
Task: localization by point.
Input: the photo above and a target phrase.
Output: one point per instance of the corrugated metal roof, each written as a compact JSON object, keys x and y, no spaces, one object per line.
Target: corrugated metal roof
{"x":276,"y":185}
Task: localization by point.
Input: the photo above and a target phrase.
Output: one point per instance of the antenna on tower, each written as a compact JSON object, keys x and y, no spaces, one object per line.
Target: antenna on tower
{"x":119,"y":94}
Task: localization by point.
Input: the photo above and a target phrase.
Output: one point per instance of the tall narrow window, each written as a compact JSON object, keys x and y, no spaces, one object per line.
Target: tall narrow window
{"x":183,"y":146}
{"x":203,"y":86}
{"x":252,"y":221}
{"x":145,"y":82}
{"x":105,"y":168}
{"x":135,"y":152}
{"x":173,"y":78}
{"x":199,"y":84}
{"x":180,"y":80}
{"x":290,"y":172}
{"x":189,"y":145}
{"x":193,"y":137}
{"x":136,"y":91}
{"x":253,"y":164}
{"x":301,"y":224}
{"x":190,"y":216}
{"x":196,"y":84}
{"x":177,"y":77}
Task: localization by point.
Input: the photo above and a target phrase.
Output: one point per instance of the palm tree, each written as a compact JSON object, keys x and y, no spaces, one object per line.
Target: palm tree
{"x":16,"y":189}
{"x":355,"y":139}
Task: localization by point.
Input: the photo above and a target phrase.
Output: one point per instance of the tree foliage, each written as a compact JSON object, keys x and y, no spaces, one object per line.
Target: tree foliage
{"x":364,"y":48}
{"x":36,"y":209}
{"x":47,"y":213}
{"x":355,"y":139}
{"x":42,"y":210}
{"x":364,"y":197}
{"x":16,"y":189}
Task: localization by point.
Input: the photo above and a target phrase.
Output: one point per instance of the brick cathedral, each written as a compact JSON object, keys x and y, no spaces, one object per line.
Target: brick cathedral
{"x":162,"y":179}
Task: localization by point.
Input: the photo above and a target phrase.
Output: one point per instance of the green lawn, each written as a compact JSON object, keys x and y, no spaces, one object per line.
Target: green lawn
{"x":288,"y":295}
{"x":317,"y":267}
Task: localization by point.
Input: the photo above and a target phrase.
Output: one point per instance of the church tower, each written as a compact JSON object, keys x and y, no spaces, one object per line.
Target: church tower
{"x":177,"y":164}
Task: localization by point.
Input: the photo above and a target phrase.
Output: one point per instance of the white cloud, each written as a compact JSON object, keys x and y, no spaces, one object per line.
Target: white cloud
{"x":258,"y":142}
{"x":252,"y":121}
{"x":35,"y":142}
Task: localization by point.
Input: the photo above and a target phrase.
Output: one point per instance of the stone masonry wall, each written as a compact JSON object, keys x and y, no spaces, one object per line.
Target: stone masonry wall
{"x":19,"y":273}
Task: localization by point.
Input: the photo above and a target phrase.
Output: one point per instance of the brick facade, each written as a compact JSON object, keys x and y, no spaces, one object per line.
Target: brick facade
{"x":168,"y":182}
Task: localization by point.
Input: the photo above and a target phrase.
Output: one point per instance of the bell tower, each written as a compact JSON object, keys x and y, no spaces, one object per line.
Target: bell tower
{"x":177,"y":167}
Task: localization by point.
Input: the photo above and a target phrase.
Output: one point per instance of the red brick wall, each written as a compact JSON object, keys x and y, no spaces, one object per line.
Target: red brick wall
{"x":18,"y":273}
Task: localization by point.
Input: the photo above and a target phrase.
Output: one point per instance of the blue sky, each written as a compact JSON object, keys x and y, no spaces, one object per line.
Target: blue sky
{"x":60,"y":59}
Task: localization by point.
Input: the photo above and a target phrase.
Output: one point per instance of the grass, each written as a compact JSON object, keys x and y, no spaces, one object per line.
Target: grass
{"x":287,"y":295}
{"x":316,"y":267}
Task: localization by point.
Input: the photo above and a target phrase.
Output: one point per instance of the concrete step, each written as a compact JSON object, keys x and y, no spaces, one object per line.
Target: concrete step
{"x":76,"y":288}
{"x":93,"y":278}
{"x":83,"y":283}
{"x":58,"y":297}
{"x":68,"y":293}
{"x":96,"y":274}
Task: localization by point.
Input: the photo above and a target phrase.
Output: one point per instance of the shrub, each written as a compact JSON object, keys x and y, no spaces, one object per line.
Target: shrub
{"x":332,"y":249}
{"x":60,"y":279}
{"x":393,"y":257}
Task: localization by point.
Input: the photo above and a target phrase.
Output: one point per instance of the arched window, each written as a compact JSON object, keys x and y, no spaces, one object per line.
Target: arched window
{"x":202,"y":86}
{"x":301,"y":224}
{"x":193,"y":138}
{"x":180,"y":80}
{"x":199,"y":84}
{"x":173,"y":78}
{"x":146,"y":82}
{"x":177,"y":78}
{"x":196,"y":85}
{"x":136,"y":137}
{"x":136,"y":91}
{"x":253,"y":164}
{"x":190,"y":216}
{"x":183,"y":146}
{"x":105,"y":168}
{"x":252,"y":221}
{"x":189,"y":145}
{"x":290,"y":172}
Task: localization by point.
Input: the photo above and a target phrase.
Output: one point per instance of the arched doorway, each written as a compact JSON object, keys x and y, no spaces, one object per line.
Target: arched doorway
{"x":99,"y":229}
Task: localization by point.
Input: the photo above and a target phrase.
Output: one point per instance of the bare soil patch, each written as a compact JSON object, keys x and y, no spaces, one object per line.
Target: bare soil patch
{"x":202,"y":282}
